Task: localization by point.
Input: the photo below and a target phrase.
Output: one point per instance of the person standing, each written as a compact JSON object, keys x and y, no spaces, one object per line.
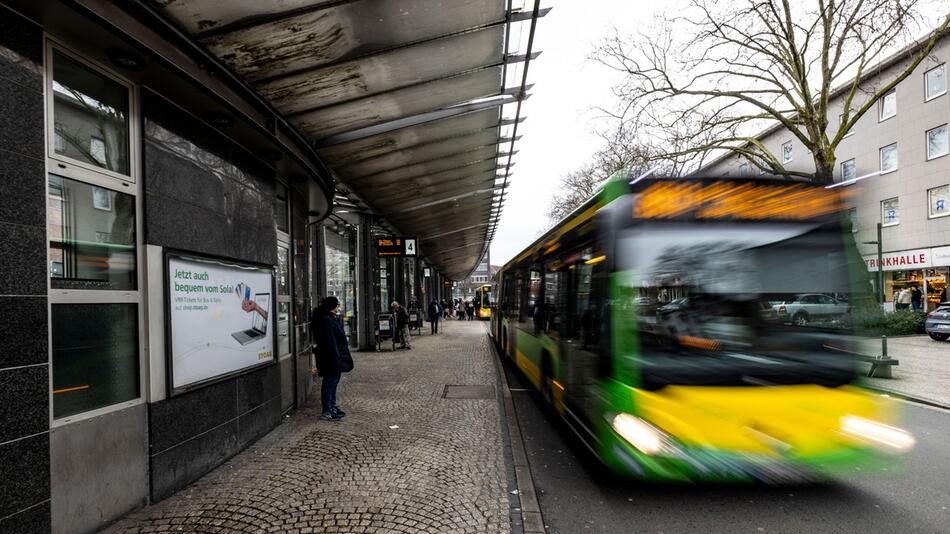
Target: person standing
{"x":903,"y":299}
{"x":434,"y":314}
{"x":402,"y":325}
{"x":332,"y":354}
{"x":470,"y":310}
{"x":916,"y":298}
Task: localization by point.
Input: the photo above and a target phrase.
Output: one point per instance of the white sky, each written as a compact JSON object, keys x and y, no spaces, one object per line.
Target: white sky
{"x":558,"y":133}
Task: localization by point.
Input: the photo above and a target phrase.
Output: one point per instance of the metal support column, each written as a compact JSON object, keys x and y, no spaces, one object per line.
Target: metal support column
{"x":365,"y":283}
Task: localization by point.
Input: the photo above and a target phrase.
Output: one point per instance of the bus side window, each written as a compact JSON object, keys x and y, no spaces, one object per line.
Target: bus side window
{"x":554,"y":295}
{"x":600,"y":327}
{"x":582,"y":314}
{"x":534,"y":308}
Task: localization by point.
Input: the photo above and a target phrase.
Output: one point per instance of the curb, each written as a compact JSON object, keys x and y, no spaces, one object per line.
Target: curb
{"x":907,"y":397}
{"x":531,"y":520}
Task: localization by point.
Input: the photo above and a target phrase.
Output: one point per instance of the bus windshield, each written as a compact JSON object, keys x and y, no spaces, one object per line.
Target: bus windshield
{"x":728,"y":303}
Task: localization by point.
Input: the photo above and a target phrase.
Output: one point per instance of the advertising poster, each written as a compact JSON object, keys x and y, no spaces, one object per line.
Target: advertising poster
{"x":221,"y":318}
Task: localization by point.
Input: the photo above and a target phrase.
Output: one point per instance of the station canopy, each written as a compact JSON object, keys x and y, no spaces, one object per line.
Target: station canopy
{"x":401,"y":98}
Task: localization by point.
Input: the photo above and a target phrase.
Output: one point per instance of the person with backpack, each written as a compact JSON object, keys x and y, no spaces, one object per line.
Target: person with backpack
{"x":332,"y":354}
{"x":434,"y":313}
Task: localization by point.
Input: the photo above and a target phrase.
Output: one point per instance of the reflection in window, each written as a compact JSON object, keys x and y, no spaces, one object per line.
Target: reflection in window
{"x":91,"y":236}
{"x":889,"y":158}
{"x":283,"y":328}
{"x":937,"y":143}
{"x":95,"y":356}
{"x":936,"y":81}
{"x":91,"y":116}
{"x":787,"y":152}
{"x":888,"y":105}
{"x":847,"y":170}
{"x":283,"y":271}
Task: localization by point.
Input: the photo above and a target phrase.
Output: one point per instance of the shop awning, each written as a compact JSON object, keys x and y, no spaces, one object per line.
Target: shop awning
{"x":402,"y":99}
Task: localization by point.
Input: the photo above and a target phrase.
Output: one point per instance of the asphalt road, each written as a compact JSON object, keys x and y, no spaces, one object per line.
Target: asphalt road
{"x":577,"y":496}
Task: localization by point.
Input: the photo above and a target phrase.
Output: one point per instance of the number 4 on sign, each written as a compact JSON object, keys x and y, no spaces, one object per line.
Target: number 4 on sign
{"x":410,"y":247}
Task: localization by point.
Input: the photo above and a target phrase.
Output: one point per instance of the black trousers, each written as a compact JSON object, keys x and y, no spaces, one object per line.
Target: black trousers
{"x":434,"y":323}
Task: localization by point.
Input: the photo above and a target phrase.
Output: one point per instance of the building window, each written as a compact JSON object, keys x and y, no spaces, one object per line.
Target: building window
{"x":890,"y":212}
{"x":937,"y":144}
{"x":889,"y":158}
{"x":935,"y":82}
{"x":90,"y":113}
{"x":745,"y":169}
{"x":91,"y":236}
{"x":95,"y":356}
{"x":888,"y":106}
{"x":787,"y":152}
{"x":937,"y":200}
{"x":848,"y":170}
{"x":852,"y":216}
{"x":102,"y":199}
{"x":841,"y":122}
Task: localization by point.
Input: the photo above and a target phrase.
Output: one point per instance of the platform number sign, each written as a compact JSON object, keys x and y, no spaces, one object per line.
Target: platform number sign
{"x":396,"y":246}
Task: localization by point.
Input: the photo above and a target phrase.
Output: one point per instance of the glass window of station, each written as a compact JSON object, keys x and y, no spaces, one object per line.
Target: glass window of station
{"x":93,"y":235}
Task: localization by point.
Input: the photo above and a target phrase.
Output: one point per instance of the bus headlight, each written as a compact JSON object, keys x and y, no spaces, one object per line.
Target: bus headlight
{"x":877,"y":433}
{"x":643,"y":436}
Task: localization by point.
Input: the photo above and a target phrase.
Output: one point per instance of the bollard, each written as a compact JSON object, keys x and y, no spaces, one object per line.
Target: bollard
{"x":882,"y":371}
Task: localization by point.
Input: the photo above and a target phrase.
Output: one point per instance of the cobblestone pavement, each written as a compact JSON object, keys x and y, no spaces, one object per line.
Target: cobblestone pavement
{"x":923,"y":371}
{"x":403,"y":460}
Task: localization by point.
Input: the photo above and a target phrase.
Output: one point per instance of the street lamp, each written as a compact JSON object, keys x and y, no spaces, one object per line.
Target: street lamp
{"x":880,"y":262}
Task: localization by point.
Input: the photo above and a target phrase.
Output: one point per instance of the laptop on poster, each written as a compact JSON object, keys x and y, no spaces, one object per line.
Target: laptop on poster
{"x":258,"y":327}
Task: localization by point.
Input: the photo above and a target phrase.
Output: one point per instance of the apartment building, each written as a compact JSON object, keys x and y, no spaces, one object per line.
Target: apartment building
{"x":895,"y":163}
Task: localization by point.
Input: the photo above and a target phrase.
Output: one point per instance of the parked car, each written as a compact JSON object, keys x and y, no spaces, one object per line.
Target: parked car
{"x":810,"y":307}
{"x":937,"y":324}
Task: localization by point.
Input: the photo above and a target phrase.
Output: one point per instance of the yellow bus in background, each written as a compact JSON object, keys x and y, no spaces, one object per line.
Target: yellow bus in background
{"x":483,"y":302}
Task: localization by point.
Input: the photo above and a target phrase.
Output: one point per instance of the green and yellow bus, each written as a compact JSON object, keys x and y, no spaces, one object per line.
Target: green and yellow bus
{"x":648,"y":319}
{"x":483,"y":301}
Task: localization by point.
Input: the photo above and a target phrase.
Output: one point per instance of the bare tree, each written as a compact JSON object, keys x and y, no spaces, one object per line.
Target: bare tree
{"x":621,"y":151}
{"x":708,"y":78}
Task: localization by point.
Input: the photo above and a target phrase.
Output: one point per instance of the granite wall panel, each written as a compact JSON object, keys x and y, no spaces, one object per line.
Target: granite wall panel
{"x":24,"y":340}
{"x":203,"y":194}
{"x":24,"y":398}
{"x":24,"y":369}
{"x":24,"y":473}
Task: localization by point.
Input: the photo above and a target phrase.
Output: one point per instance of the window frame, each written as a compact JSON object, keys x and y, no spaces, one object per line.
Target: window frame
{"x":53,"y":46}
{"x":929,"y":214}
{"x":791,"y":154}
{"x":885,"y":224}
{"x":927,"y":141}
{"x":880,"y":157}
{"x":880,"y":107}
{"x":91,"y":175}
{"x":938,"y":95}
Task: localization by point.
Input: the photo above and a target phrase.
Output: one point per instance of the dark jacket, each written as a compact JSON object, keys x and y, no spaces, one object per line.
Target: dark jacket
{"x":402,"y":318}
{"x":331,"y":348}
{"x":434,"y":310}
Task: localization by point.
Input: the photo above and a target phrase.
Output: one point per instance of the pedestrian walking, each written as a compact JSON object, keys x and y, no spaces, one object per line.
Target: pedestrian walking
{"x":402,"y":325}
{"x":332,"y":354}
{"x":470,"y":310}
{"x":434,"y":314}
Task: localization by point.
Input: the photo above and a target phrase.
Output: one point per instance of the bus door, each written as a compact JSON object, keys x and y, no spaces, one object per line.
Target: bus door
{"x":581,"y":339}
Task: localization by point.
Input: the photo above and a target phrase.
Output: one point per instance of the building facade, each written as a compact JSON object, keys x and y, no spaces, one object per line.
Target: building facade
{"x":894,"y":166}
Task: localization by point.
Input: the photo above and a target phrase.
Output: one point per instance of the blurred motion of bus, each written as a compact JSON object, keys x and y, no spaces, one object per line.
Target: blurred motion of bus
{"x":483,"y":301}
{"x":668,"y":321}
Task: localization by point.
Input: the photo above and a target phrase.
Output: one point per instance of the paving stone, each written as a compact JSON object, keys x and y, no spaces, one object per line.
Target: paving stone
{"x":442,"y":470}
